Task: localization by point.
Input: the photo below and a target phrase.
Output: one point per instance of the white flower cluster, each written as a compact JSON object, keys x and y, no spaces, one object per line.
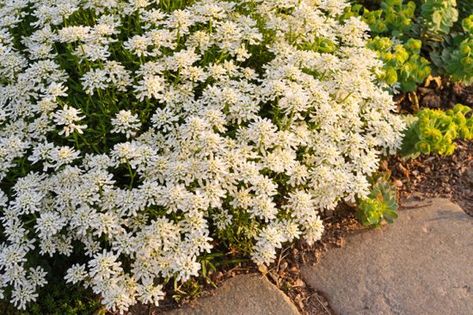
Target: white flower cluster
{"x":132,"y":135}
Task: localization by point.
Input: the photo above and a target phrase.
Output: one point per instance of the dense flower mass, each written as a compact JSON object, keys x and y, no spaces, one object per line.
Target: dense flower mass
{"x":139,"y":136}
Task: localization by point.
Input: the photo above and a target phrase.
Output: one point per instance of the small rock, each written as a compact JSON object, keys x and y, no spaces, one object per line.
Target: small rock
{"x":245,"y":294}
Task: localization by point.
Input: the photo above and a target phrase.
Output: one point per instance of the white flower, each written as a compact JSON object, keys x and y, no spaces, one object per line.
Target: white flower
{"x":104,"y":266}
{"x":37,"y":276}
{"x":55,"y":90}
{"x":127,"y":123}
{"x":148,"y":293}
{"x":23,"y":294}
{"x":94,"y":80}
{"x":139,"y":45}
{"x":74,"y":33}
{"x":48,"y":224}
{"x":60,"y":156}
{"x":76,"y":273}
{"x":68,"y":117}
{"x":152,"y":86}
{"x":163,"y":119}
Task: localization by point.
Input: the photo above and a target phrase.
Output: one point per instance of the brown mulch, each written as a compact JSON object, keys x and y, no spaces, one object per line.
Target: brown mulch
{"x":286,"y":272}
{"x":436,"y":94}
{"x":433,"y":176}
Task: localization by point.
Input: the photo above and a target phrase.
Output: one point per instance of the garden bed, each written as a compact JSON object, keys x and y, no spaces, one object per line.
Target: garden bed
{"x":151,"y":150}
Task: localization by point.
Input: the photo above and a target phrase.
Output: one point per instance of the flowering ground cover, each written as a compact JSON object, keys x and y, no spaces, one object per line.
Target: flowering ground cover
{"x":141,"y":139}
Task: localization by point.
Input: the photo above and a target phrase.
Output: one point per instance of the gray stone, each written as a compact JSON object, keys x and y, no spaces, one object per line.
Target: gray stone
{"x":243,"y":295}
{"x":422,"y":264}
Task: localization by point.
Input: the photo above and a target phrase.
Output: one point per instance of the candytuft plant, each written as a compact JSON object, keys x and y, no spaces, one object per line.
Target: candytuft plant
{"x":142,"y":140}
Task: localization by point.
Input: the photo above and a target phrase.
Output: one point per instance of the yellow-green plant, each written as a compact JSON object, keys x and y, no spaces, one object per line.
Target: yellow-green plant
{"x":394,"y":18}
{"x":435,"y":131}
{"x":381,"y":204}
{"x":403,"y":63}
{"x":447,"y":40}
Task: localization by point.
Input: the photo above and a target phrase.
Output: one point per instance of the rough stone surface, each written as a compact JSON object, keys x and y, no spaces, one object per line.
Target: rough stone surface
{"x":243,"y":295}
{"x":422,"y":264}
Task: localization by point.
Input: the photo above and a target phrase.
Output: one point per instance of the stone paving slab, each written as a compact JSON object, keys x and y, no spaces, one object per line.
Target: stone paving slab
{"x":422,"y":264}
{"x":243,"y":295}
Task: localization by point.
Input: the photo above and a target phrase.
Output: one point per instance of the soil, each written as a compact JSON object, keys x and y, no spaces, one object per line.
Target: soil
{"x":433,"y":176}
{"x":286,"y":272}
{"x":436,"y":93}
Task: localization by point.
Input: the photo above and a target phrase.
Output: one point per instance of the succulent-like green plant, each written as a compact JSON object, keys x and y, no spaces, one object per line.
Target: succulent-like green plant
{"x":393,"y":19}
{"x":439,"y":31}
{"x":381,"y":205}
{"x":456,"y":57}
{"x":438,"y":16}
{"x":435,"y":131}
{"x":403,"y":63}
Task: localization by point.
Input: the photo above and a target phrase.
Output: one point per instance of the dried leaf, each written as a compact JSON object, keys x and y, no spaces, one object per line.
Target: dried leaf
{"x":414,"y":101}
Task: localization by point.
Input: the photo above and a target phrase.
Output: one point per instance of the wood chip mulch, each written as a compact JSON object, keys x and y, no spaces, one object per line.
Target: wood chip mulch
{"x":433,"y":176}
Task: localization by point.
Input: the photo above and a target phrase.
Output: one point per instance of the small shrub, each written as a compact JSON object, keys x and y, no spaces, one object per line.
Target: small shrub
{"x":435,"y":131}
{"x":456,"y":57}
{"x":438,"y":24}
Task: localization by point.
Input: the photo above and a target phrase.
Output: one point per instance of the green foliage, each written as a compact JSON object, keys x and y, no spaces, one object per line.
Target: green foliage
{"x":394,"y":18}
{"x":404,"y":67}
{"x":59,"y":299}
{"x":435,"y":131}
{"x":380,"y":205}
{"x":171,"y":5}
{"x":467,"y":24}
{"x":456,"y":57}
{"x":465,"y":7}
{"x":459,"y":61}
{"x":438,"y":16}
{"x":445,"y":28}
{"x":403,"y":63}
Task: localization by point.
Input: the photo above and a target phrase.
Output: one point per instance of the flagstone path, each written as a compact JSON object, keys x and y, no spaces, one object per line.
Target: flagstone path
{"x":422,"y":264}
